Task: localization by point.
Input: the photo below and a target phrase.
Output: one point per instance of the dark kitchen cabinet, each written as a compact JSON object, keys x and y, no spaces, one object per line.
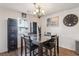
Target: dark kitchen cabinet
{"x":12,"y":34}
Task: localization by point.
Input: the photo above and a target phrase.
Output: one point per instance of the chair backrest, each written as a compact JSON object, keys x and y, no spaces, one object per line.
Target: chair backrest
{"x":28,"y":42}
{"x":52,"y":41}
{"x":53,"y":38}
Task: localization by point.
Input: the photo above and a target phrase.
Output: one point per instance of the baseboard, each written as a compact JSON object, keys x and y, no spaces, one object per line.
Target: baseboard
{"x":9,"y":52}
{"x":3,"y":52}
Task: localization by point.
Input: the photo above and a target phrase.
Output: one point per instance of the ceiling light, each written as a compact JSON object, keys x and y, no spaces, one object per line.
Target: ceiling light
{"x":38,"y":11}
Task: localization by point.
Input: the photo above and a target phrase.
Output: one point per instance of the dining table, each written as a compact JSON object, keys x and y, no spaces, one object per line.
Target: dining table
{"x":40,"y":44}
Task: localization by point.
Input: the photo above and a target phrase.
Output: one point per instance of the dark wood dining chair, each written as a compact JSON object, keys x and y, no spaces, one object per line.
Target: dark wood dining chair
{"x":29,"y":45}
{"x":50,"y":45}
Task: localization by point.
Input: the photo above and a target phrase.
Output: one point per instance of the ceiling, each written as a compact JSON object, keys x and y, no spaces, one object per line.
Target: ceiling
{"x":48,"y":7}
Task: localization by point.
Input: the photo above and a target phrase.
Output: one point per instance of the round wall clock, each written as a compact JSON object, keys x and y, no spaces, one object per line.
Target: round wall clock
{"x":70,"y":20}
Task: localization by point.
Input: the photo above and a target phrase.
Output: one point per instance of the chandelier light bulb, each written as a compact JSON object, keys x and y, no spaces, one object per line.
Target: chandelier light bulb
{"x":34,"y":12}
{"x":37,"y":10}
{"x":43,"y":11}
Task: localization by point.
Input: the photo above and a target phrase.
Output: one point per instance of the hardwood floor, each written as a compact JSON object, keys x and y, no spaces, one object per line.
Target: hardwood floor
{"x":62,"y":52}
{"x":67,"y":52}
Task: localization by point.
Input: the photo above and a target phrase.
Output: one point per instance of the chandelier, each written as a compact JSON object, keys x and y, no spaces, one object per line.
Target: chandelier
{"x":39,"y":12}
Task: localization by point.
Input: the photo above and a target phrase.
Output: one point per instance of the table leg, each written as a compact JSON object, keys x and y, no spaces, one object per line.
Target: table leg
{"x":46,"y":51}
{"x":25,"y":49}
{"x":40,"y":50}
{"x":21,"y":46}
{"x":55,"y":50}
{"x":58,"y":46}
{"x":50,"y":52}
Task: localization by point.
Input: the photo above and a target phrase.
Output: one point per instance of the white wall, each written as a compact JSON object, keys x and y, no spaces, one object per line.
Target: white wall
{"x":67,"y":35}
{"x":4,"y":15}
